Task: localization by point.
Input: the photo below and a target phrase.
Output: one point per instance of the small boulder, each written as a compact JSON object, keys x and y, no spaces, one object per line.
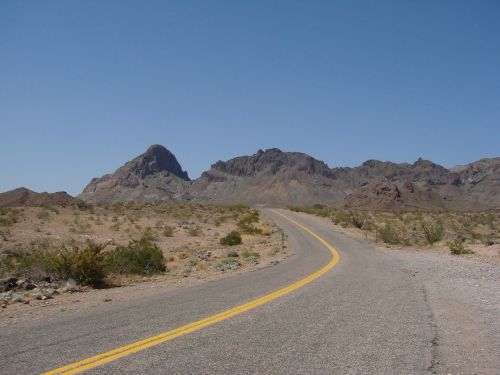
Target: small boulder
{"x":47,"y":292}
{"x":71,"y":286}
{"x":17,"y":298}
{"x":36,"y":295}
{"x":8,"y":284}
{"x":6,"y":296}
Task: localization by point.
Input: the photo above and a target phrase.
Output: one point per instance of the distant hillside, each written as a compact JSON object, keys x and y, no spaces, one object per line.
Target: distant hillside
{"x":270,"y":177}
{"x":26,"y":197}
{"x":154,"y":176}
{"x":276,"y":178}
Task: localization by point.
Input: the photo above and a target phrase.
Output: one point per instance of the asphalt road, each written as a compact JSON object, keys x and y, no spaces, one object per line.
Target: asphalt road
{"x":367,"y":315}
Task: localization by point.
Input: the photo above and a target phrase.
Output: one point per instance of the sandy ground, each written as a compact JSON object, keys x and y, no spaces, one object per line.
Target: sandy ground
{"x":464,"y":296}
{"x":192,"y":226}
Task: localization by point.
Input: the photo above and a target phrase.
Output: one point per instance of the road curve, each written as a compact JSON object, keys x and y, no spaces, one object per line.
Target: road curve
{"x":365,"y":316}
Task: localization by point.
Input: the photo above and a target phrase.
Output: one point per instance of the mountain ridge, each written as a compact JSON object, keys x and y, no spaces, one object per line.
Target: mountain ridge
{"x":277,"y":178}
{"x":25,"y":197}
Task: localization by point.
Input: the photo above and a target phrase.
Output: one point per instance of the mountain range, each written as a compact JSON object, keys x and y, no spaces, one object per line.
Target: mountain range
{"x":276,"y":178}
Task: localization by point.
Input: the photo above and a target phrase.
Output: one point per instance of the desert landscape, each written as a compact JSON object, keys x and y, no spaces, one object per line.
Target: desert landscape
{"x":259,"y":187}
{"x":47,"y":251}
{"x":148,"y":220}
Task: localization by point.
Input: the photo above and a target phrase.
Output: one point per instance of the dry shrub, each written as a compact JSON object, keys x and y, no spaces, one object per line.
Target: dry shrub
{"x":142,"y":257}
{"x":233,"y":238}
{"x":457,"y":247}
{"x":266,"y":230}
{"x":85,"y":264}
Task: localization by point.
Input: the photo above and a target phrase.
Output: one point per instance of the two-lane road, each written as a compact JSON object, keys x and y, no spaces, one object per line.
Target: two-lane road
{"x":365,"y":315}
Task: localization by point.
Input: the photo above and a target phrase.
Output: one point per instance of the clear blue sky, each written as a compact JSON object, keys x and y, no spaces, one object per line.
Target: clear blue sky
{"x":87,"y":85}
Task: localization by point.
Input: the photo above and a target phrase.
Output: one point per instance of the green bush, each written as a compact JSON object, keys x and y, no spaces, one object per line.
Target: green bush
{"x":457,"y":247}
{"x":228,"y":264}
{"x":9,"y":216}
{"x":149,"y":234}
{"x":433,"y":231}
{"x":219,"y":220}
{"x":251,"y":256}
{"x":389,"y":234}
{"x":358,"y":220}
{"x":6,"y":265}
{"x":168,"y":231}
{"x":342,"y":218}
{"x":84,"y":265}
{"x":195,"y":231}
{"x":233,"y":238}
{"x":238,"y":207}
{"x":141,"y":257}
{"x":248,"y":254}
{"x":246,"y":223}
{"x":43,"y":215}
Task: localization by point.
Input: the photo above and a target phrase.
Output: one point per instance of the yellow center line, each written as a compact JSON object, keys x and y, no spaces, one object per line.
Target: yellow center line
{"x":134,"y":347}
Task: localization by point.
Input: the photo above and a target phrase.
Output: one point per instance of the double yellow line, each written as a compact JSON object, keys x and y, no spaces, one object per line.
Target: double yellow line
{"x":137,"y":346}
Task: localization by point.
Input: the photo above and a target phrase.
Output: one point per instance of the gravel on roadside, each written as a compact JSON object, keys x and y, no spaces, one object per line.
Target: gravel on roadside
{"x":464,"y":296}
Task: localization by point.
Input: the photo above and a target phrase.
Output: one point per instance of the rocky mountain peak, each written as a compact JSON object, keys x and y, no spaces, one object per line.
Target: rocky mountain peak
{"x":422,"y":163}
{"x":153,"y":176}
{"x":271,"y":162}
{"x":157,"y":159}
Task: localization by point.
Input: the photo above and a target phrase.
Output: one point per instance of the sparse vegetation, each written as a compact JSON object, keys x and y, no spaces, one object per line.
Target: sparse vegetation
{"x":457,"y":247}
{"x":43,"y":215}
{"x":195,"y":231}
{"x":168,"y":231}
{"x":248,"y":254}
{"x":246,"y":224}
{"x":433,"y":230}
{"x":233,"y":238}
{"x":389,"y":234}
{"x":266,"y":230}
{"x":141,"y":257}
{"x":415,"y":228}
{"x":228,"y":264}
{"x":9,"y":216}
{"x":138,"y":238}
{"x":81,"y":263}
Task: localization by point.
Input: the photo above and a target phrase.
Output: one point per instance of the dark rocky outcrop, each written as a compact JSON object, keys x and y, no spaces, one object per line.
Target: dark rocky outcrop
{"x":154,"y":176}
{"x":156,"y":159}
